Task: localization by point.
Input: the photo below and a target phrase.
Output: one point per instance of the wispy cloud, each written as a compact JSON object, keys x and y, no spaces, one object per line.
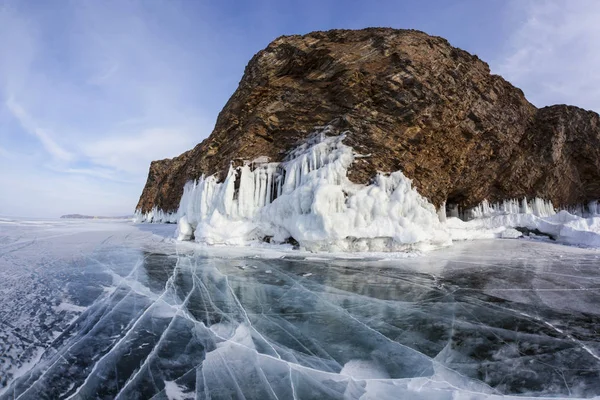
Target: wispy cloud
{"x":103,"y":76}
{"x":100,"y":173}
{"x":111,"y":91}
{"x":31,"y":127}
{"x":553,"y":53}
{"x":131,"y":152}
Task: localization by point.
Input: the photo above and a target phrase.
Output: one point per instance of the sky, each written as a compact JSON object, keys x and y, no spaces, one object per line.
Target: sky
{"x":92,"y":91}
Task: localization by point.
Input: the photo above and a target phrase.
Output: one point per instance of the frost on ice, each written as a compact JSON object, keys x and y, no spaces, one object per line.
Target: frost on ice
{"x":310,"y":199}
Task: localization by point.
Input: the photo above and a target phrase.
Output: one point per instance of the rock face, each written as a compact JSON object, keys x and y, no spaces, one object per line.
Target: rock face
{"x":409,"y":101}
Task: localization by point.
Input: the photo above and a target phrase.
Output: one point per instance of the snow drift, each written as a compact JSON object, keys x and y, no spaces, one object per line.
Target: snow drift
{"x":310,"y":200}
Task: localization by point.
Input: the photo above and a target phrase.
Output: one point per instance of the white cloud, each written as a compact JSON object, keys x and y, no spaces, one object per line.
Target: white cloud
{"x":133,"y":152}
{"x":30,"y":126}
{"x":553,"y":53}
{"x":96,"y":172}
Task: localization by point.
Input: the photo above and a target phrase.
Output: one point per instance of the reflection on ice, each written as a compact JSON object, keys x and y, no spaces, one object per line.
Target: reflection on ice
{"x":134,"y":317}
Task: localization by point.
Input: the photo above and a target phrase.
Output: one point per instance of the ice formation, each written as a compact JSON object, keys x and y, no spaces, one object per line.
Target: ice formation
{"x":155,"y":215}
{"x":537,"y":207}
{"x":309,"y":198}
{"x":577,"y":227}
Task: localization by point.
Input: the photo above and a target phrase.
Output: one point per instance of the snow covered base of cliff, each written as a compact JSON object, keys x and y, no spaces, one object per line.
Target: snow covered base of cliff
{"x":563,"y":227}
{"x":309,"y":199}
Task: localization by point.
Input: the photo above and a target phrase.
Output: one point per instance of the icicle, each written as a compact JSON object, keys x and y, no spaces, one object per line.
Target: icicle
{"x":269,"y":185}
{"x":524,"y":206}
{"x":262,"y":191}
{"x":454,"y":211}
{"x":594,"y":208}
{"x":227,"y":192}
{"x":442,"y":212}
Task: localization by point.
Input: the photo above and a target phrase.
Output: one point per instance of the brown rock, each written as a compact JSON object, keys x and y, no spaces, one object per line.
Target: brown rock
{"x":411,"y":101}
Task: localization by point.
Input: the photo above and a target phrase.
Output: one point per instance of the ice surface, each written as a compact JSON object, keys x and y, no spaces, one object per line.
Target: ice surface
{"x":113,"y":310}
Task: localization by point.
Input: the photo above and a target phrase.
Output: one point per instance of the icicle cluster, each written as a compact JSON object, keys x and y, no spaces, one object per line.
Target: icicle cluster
{"x":257,"y":188}
{"x":307,"y":197}
{"x":155,"y":216}
{"x":577,"y":225}
{"x":537,"y":207}
{"x":260,"y":183}
{"x":594,"y":209}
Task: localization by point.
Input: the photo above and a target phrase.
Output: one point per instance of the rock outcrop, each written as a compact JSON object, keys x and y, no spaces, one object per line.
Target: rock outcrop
{"x":409,"y":101}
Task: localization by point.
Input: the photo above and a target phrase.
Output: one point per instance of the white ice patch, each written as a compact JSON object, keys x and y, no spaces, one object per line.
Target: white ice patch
{"x":69,"y":308}
{"x":176,"y":392}
{"x":364,"y":369}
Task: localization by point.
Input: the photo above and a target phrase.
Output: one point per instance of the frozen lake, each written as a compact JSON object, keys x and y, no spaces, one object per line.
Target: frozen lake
{"x":100,"y":309}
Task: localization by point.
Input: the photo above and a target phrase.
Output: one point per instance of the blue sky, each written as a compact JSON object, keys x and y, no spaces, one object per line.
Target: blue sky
{"x":92,"y":91}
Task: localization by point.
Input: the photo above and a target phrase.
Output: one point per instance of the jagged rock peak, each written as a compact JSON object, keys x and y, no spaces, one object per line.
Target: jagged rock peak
{"x":413,"y":103}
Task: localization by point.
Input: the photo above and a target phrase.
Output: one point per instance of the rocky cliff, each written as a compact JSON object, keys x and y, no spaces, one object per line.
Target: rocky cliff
{"x":409,"y":101}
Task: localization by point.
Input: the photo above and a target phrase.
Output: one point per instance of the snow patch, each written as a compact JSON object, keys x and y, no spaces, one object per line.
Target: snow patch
{"x":175,"y":392}
{"x":69,"y":307}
